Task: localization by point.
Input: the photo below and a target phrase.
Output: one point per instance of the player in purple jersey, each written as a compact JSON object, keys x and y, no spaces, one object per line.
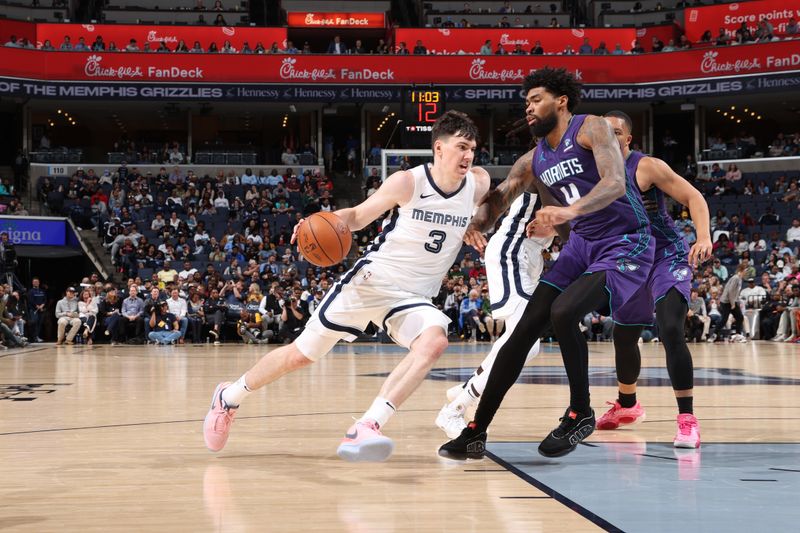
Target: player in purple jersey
{"x":607,"y":258}
{"x":668,"y":289}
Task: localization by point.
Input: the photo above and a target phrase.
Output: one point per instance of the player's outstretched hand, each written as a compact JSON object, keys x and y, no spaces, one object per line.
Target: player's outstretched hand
{"x":536,"y":229}
{"x":553,"y":216}
{"x":295,"y":230}
{"x":475,"y":238}
{"x":700,"y":252}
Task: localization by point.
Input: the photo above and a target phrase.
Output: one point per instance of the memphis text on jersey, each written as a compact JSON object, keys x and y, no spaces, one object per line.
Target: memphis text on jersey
{"x":561,"y":170}
{"x":440,"y":218}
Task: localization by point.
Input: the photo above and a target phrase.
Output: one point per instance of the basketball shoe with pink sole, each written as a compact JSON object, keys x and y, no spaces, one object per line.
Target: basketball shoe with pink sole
{"x":688,"y":435}
{"x":217,"y":424}
{"x":364,"y":442}
{"x":621,"y":416}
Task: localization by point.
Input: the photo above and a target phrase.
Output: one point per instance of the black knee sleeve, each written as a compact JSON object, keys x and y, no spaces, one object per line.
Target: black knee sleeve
{"x":626,"y":353}
{"x":671,"y":317}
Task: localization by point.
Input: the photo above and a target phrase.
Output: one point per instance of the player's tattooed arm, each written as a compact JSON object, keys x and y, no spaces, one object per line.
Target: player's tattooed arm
{"x":535,"y":227}
{"x":596,"y":135}
{"x":497,"y":201}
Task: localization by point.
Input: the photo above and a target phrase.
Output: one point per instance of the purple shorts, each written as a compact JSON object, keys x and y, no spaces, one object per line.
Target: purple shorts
{"x":626,"y":260}
{"x":667,"y":272}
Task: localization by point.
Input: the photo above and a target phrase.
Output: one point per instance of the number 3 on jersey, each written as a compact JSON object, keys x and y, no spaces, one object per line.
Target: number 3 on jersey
{"x":438,"y":238}
{"x":571,"y":194}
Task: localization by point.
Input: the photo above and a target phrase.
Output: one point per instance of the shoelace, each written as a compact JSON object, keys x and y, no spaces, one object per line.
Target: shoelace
{"x":685,"y":427}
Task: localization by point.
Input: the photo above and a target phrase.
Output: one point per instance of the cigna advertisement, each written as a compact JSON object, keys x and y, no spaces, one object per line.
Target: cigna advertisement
{"x":731,"y":17}
{"x":35,"y":231}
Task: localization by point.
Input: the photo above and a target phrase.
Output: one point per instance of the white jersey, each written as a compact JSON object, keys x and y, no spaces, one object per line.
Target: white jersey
{"x":420,"y":241}
{"x":514,"y":262}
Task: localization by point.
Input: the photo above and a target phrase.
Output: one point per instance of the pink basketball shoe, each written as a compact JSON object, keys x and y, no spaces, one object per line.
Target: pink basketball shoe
{"x":688,"y":435}
{"x":364,"y":442}
{"x":218,"y":421}
{"x":621,"y":416}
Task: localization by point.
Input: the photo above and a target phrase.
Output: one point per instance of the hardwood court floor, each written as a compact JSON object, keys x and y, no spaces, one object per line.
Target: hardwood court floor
{"x":100,"y":438}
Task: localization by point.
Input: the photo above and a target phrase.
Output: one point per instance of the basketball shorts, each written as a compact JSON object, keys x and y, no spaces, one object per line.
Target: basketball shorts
{"x":512,"y":271}
{"x":626,"y":260}
{"x":362,"y":296}
{"x":667,"y":272}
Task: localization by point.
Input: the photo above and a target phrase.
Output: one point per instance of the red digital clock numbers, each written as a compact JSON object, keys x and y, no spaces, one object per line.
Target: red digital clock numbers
{"x":427,"y":103}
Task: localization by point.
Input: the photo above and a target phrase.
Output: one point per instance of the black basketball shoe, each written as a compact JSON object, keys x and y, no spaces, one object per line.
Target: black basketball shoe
{"x":471,"y":444}
{"x":573,"y":429}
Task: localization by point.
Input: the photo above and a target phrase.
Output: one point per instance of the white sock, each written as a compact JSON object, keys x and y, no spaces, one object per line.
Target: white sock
{"x":235,"y":393}
{"x":464,"y":400}
{"x":380,"y":411}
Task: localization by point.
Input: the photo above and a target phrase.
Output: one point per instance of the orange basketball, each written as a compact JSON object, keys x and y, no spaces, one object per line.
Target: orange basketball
{"x":324,"y":239}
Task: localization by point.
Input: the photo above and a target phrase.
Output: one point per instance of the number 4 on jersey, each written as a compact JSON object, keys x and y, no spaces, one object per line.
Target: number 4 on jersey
{"x":571,"y":194}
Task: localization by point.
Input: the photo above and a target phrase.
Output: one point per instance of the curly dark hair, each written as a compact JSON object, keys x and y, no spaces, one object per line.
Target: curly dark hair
{"x":454,"y":123}
{"x":558,"y":82}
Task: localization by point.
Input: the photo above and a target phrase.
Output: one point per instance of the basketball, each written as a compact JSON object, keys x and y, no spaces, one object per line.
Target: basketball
{"x":324,"y":239}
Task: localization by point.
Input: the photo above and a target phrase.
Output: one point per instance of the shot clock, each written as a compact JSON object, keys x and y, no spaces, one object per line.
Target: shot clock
{"x":421,"y":108}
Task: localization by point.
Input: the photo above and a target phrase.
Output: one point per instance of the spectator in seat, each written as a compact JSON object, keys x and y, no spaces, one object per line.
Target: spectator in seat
{"x":164,"y":328}
{"x":419,"y":49}
{"x":658,"y":45}
{"x":402,"y":50}
{"x":81,"y":46}
{"x":722,"y":38}
{"x":486,"y":49}
{"x":109,"y":309}
{"x":598,"y":325}
{"x":637,"y":47}
{"x":67,"y":315}
{"x":554,"y":23}
{"x":791,"y":27}
{"x":133,"y":312}
{"x":706,"y":37}
{"x":219,"y":21}
{"x":87,"y":312}
{"x":793,"y":233}
{"x":585,"y":48}
{"x":66,"y":44}
{"x":537,"y":49}
{"x":683,"y":43}
{"x":177,"y":306}
{"x":337,"y":46}
{"x":618,"y":51}
{"x":568,"y":50}
{"x":733,"y":173}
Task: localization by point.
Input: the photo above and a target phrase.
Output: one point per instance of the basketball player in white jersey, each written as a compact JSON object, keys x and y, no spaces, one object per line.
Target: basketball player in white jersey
{"x":513,"y":266}
{"x":391,"y":285}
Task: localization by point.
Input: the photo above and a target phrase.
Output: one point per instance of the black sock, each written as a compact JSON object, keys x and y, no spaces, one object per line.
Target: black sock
{"x":685,"y":405}
{"x":627,"y":400}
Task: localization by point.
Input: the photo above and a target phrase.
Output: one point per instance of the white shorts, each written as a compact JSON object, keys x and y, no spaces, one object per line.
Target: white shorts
{"x":512,"y":271}
{"x":363,"y":296}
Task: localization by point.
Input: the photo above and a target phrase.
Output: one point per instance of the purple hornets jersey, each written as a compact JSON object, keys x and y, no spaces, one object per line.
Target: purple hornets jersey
{"x":569,"y":172}
{"x":669,"y":241}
